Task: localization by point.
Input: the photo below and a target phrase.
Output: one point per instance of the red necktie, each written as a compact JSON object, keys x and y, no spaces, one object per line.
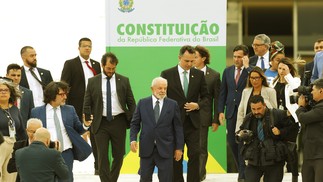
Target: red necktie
{"x":238,"y":75}
{"x":93,"y":71}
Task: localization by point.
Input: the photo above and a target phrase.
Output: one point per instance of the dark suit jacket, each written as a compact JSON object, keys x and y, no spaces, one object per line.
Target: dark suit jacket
{"x":312,"y":123}
{"x":230,"y":94}
{"x":37,"y":163}
{"x":213,"y":82}
{"x":45,"y":77}
{"x":93,"y":98}
{"x":26,"y":104}
{"x":197,"y":91}
{"x":11,"y":167}
{"x":73,"y":74}
{"x":72,"y":124}
{"x":253,"y":60}
{"x":167,"y":132}
{"x":1,"y":138}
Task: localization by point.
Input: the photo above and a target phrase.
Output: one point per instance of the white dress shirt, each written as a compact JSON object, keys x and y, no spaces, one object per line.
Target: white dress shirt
{"x":51,"y":126}
{"x":35,"y":86}
{"x":115,"y":104}
{"x":266,"y":60}
{"x":86,"y":70}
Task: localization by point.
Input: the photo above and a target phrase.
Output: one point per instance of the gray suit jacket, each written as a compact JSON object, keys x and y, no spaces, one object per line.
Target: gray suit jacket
{"x":26,"y":104}
{"x":93,"y":99}
{"x":38,"y":163}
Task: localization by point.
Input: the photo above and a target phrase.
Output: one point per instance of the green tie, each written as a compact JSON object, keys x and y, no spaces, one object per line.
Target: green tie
{"x":185,"y":83}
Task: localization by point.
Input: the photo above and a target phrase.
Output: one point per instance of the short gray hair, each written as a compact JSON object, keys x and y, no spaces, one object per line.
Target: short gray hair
{"x":34,"y":120}
{"x":264,"y":38}
{"x":158,"y":79}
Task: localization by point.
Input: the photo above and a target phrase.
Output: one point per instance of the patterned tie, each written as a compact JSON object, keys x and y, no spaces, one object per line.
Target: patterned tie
{"x":88,"y":65}
{"x":185,"y":82}
{"x":260,"y":130}
{"x":238,"y":75}
{"x":109,"y":105}
{"x":262,"y":62}
{"x":156,"y":111}
{"x":58,"y":130}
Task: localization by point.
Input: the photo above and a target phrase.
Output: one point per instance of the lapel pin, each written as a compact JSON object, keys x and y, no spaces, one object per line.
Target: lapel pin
{"x":41,"y":73}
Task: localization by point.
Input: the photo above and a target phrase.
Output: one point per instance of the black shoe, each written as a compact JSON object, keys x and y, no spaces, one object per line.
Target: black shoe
{"x":96,"y":172}
{"x":203,"y":177}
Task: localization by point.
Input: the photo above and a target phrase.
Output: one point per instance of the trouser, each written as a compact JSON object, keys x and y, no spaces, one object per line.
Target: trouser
{"x":272,"y":173}
{"x":164,"y":165}
{"x":204,"y":149}
{"x":192,"y":141}
{"x":6,"y":149}
{"x":113,"y":132}
{"x":312,"y":170}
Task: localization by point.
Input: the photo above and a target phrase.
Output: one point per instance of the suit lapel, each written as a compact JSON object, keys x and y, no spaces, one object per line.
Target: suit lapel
{"x":80,"y":68}
{"x":42,"y":115}
{"x":41,"y":74}
{"x":163,"y":110}
{"x":178,"y":80}
{"x":64,"y":115}
{"x":232,"y":76}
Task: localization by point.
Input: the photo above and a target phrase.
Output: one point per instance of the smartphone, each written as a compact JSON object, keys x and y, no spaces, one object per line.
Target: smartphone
{"x":87,"y":113}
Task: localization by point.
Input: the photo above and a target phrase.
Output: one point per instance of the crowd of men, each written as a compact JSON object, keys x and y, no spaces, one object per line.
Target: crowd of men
{"x":93,"y":101}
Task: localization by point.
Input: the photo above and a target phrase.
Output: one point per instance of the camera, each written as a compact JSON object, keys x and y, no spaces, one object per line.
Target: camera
{"x":302,"y":90}
{"x":245,"y":136}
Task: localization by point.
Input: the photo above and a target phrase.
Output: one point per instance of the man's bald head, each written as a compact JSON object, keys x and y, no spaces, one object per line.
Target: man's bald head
{"x":42,"y":135}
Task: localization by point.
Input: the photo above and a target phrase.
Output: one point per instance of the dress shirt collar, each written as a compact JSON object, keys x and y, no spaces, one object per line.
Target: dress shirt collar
{"x":181,"y":70}
{"x":105,"y":76}
{"x":83,"y":60}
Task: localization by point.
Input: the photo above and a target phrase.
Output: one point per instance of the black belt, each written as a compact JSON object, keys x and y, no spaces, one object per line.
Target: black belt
{"x":114,"y":117}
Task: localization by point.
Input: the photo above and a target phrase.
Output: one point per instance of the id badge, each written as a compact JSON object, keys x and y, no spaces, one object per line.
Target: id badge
{"x":281,"y":107}
{"x":12,"y":131}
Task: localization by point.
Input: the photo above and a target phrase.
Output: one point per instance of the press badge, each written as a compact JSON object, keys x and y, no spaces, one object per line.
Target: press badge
{"x":12,"y":131}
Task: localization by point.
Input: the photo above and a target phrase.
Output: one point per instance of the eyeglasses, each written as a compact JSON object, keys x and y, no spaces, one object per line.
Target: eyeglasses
{"x":62,"y":94}
{"x":257,"y":45}
{"x":255,"y":78}
{"x":6,"y":90}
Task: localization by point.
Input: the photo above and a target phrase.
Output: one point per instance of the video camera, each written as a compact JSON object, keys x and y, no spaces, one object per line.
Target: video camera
{"x":245,"y":136}
{"x":302,"y":90}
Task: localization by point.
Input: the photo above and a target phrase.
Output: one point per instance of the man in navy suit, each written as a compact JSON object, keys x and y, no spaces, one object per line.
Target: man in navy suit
{"x":188,"y":87}
{"x":76,"y":73}
{"x":32,"y":77}
{"x":234,"y":80}
{"x":261,"y":45}
{"x":61,"y":121}
{"x":161,"y":137}
{"x":26,"y":102}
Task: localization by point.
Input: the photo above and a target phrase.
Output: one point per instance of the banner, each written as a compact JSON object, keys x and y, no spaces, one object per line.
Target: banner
{"x":146,"y":36}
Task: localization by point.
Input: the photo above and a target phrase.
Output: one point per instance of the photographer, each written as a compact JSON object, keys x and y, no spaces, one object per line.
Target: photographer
{"x":262,"y":134}
{"x":311,"y":120}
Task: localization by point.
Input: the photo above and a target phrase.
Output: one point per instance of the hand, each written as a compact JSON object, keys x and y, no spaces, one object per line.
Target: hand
{"x":221,"y":118}
{"x":178,"y":155}
{"x":245,"y":61}
{"x":191,"y":106}
{"x":215,"y":127}
{"x":87,"y":123}
{"x":134,"y":146}
{"x":301,"y":101}
{"x":275,"y":131}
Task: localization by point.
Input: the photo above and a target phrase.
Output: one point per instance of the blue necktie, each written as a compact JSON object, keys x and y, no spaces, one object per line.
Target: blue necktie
{"x":156,"y":111}
{"x":262,"y":62}
{"x":109,"y":107}
{"x":185,"y":83}
{"x":260,"y":130}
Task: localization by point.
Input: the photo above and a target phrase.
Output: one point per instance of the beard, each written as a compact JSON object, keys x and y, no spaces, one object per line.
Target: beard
{"x":258,"y":116}
{"x":32,"y":64}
